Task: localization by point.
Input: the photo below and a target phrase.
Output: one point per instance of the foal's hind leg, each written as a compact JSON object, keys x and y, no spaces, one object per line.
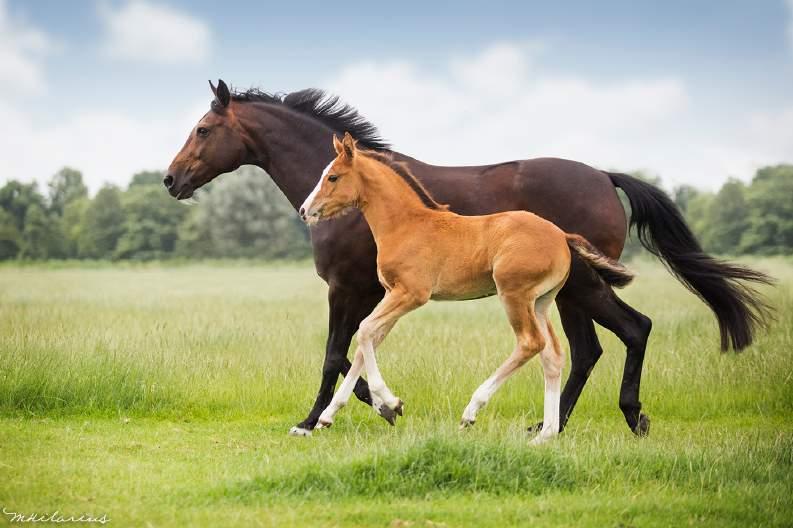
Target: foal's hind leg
{"x":552,"y":359}
{"x":530,"y":340}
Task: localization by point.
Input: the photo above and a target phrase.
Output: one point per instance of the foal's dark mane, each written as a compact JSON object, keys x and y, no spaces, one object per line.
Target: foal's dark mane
{"x":328,"y":109}
{"x":401,"y":169}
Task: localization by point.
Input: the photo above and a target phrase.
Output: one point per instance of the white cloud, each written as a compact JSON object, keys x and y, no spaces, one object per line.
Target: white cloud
{"x":107,"y":146}
{"x":22,"y":49}
{"x":500,"y":105}
{"x":143,"y":31}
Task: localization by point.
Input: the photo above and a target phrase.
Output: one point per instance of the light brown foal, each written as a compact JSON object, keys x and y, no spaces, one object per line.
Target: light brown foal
{"x":425,"y":251}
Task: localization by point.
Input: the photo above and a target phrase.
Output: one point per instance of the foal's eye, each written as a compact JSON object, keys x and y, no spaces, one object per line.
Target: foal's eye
{"x":333,"y":177}
{"x":202,"y":131}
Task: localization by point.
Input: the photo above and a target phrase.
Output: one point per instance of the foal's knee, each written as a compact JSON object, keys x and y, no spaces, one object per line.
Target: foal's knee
{"x":366,"y":333}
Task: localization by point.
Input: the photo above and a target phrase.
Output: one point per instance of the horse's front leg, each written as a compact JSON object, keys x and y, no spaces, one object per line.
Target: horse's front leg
{"x":347,"y":308}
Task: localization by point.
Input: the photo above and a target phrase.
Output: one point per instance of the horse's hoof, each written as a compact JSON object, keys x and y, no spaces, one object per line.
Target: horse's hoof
{"x":299,"y":431}
{"x":534,"y":429}
{"x":642,"y":428}
{"x":466,"y":423}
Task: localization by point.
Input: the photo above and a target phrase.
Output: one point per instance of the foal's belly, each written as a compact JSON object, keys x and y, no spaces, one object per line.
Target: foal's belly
{"x":456,"y":288}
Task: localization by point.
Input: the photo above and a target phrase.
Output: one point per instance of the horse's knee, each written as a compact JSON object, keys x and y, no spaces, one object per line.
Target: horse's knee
{"x":333,"y":366}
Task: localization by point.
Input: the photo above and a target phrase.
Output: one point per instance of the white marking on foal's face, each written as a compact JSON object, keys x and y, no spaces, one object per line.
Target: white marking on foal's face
{"x":310,"y":216}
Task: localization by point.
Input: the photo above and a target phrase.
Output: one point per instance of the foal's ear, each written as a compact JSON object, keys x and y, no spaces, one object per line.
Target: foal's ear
{"x":222,"y":93}
{"x":348,"y":144}
{"x":337,"y":146}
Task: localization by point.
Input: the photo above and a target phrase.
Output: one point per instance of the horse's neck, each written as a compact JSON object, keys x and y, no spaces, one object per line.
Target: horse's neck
{"x":292,"y":149}
{"x":390,"y":204}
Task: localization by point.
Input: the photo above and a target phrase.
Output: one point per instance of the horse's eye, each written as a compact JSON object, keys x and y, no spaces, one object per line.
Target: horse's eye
{"x":202,"y":131}
{"x":333,"y":177}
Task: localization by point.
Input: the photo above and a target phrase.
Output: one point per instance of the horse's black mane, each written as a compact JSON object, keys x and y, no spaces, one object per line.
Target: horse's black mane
{"x":402,"y":170}
{"x":328,"y":109}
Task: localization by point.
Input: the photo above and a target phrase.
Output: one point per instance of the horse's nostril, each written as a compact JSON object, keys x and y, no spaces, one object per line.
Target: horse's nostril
{"x":302,"y":212}
{"x":168,"y":181}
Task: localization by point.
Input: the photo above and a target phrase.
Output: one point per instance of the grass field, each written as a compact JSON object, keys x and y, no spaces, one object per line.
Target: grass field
{"x":161,"y":396}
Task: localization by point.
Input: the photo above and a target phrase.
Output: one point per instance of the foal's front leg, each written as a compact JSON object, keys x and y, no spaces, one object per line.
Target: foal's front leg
{"x":371,"y":333}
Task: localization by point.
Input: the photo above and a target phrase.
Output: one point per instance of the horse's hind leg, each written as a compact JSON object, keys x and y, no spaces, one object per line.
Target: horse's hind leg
{"x":530,"y":341}
{"x":633,"y":329}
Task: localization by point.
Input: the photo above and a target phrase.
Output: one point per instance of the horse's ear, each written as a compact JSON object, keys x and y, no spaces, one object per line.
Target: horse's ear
{"x":337,"y":146}
{"x":222,"y":93}
{"x":214,"y":90}
{"x":348,"y":144}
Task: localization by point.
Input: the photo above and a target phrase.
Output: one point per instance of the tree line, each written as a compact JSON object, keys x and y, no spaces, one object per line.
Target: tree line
{"x":244,"y":215}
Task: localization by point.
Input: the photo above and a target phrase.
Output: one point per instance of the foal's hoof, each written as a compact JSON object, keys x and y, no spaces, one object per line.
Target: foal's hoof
{"x":389,"y":414}
{"x":466,"y":423}
{"x":534,"y":429}
{"x":642,"y":428}
{"x":323,"y":424}
{"x":299,"y":431}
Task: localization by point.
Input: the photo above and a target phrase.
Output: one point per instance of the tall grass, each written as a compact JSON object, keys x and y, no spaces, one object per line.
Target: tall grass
{"x":176,"y":385}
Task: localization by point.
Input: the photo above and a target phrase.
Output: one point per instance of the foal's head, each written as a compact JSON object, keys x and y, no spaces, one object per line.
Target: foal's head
{"x":340,"y":185}
{"x":215,"y":146}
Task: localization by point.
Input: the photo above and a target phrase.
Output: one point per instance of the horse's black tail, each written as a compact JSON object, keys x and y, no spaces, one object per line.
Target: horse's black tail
{"x":611,"y":271}
{"x":662,"y":230}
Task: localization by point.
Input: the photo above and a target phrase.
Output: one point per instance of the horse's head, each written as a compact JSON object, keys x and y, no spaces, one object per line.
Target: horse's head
{"x":339,"y":186}
{"x":215,"y":146}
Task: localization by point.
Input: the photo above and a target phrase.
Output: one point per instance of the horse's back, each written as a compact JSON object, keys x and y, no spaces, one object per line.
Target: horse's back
{"x":575,"y":196}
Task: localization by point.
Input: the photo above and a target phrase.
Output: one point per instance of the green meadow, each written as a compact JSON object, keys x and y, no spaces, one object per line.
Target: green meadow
{"x":161,"y":395}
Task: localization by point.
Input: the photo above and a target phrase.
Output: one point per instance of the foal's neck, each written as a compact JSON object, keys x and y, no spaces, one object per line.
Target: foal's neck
{"x":388,"y":203}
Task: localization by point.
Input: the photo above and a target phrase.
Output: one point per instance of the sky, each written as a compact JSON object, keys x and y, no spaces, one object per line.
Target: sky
{"x":694,"y":92}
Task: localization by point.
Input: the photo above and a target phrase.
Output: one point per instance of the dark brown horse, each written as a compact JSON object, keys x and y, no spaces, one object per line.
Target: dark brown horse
{"x":290,"y":138}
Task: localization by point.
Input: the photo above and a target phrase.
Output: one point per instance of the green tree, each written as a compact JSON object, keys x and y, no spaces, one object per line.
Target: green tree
{"x":41,"y":237}
{"x":770,"y":221}
{"x":726,"y":219}
{"x":682,"y":195}
{"x":16,"y":199}
{"x":10,"y":237}
{"x":246,"y":215}
{"x":65,"y":186}
{"x":152,"y":220}
{"x":102,"y":224}
{"x":147,"y":178}
{"x":72,"y":224}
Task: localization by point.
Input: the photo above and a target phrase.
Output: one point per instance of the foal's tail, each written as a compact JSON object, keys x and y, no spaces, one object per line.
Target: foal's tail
{"x":611,"y":271}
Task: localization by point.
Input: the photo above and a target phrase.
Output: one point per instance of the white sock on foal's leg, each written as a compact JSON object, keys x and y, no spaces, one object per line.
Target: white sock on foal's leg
{"x":550,"y":422}
{"x":479,"y":399}
{"x":342,"y":395}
